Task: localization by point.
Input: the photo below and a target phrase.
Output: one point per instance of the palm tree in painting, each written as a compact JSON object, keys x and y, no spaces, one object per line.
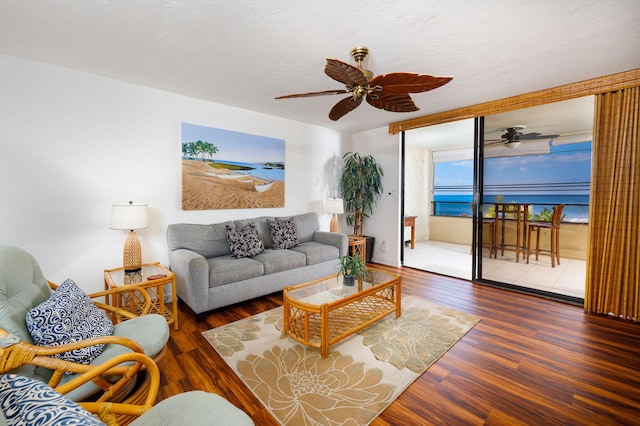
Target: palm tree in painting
{"x":195,"y":149}
{"x":199,"y":148}
{"x":210,"y":149}
{"x":188,"y":149}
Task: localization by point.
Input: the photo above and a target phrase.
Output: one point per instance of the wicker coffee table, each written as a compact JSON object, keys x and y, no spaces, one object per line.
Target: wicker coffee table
{"x":322,"y":312}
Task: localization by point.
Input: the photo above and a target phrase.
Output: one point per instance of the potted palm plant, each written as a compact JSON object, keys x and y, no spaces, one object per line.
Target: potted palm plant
{"x":361,"y":186}
{"x":351,"y":267}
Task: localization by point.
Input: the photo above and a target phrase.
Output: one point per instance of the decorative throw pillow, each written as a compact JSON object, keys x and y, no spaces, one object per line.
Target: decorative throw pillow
{"x":283,"y":233}
{"x":26,"y":401}
{"x":244,"y":242}
{"x":69,"y":316}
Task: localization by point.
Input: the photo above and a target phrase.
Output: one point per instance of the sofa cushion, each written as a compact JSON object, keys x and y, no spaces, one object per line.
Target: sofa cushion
{"x":26,"y":401}
{"x":244,"y":242}
{"x":317,"y":252}
{"x":306,"y":225}
{"x":283,"y":233}
{"x":280,"y":260}
{"x":225,"y":270}
{"x":206,"y":240}
{"x":68,"y":316}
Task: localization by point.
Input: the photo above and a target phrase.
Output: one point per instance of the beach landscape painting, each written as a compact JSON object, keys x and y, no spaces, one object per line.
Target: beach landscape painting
{"x":223,"y":169}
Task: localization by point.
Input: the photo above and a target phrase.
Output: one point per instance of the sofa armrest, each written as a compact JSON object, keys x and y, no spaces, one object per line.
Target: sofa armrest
{"x":192,"y":278}
{"x":341,"y":241}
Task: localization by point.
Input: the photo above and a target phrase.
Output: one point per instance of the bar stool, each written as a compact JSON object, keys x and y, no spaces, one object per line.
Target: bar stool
{"x":554,"y":228}
{"x":492,"y":237}
{"x":512,"y":211}
{"x":491,"y":224}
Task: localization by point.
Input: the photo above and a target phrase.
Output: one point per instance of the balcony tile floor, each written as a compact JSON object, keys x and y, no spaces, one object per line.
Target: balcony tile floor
{"x":454,"y":260}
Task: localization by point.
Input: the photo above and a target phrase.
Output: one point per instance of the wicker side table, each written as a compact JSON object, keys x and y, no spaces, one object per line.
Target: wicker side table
{"x":117,"y":277}
{"x":358,"y":246}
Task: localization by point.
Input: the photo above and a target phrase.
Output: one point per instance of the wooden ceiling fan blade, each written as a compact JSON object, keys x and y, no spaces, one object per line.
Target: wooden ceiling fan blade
{"x":400,"y":83}
{"x":345,"y":73}
{"x":309,"y":94}
{"x":393,"y":103}
{"x":343,"y":107}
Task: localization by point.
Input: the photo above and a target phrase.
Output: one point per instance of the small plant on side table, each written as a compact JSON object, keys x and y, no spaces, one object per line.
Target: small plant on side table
{"x":351,"y":267}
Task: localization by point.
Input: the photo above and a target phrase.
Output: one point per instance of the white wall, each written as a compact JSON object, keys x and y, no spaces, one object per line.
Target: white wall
{"x":417,"y":190}
{"x":384,"y":223}
{"x":73,"y":143}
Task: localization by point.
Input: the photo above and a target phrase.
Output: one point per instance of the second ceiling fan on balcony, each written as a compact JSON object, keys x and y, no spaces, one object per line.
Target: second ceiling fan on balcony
{"x":513,"y":137}
{"x":389,"y":92}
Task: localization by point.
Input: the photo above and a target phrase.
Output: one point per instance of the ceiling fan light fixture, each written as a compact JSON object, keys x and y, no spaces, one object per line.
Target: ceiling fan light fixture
{"x":514,"y":144}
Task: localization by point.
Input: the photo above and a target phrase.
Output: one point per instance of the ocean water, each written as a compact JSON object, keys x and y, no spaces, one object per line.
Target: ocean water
{"x":576,"y":206}
{"x":259,"y":170}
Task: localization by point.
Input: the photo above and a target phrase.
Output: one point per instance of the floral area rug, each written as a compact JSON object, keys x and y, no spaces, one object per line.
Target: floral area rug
{"x":361,"y":376}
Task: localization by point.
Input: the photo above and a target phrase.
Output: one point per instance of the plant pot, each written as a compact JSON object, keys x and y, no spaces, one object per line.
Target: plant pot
{"x":349,"y":280}
{"x":370,"y":245}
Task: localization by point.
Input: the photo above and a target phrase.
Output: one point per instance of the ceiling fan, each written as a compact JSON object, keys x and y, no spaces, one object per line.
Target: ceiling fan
{"x":389,"y":92}
{"x":513,"y":137}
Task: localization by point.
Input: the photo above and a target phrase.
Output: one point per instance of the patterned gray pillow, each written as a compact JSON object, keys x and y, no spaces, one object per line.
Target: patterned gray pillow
{"x":283,"y":233}
{"x":244,"y":242}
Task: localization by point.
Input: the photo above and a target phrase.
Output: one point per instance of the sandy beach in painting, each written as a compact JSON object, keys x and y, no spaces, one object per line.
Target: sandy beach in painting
{"x":201,"y":190}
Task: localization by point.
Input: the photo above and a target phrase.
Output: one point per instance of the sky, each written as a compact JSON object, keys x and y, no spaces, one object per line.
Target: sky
{"x":236,"y":146}
{"x":569,"y":163}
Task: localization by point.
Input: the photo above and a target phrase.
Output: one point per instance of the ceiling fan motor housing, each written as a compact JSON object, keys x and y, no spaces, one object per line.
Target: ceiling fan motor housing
{"x":513,"y":135}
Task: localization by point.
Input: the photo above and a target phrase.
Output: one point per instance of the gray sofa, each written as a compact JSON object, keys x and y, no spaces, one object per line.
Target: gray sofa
{"x":208,"y":277}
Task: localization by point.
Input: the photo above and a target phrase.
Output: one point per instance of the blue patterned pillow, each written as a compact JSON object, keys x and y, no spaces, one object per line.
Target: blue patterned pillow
{"x":244,"y":242}
{"x":69,"y":316}
{"x":283,"y":233}
{"x":26,"y":401}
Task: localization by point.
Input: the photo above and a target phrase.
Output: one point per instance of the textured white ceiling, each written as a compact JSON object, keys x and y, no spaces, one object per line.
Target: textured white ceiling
{"x":244,"y":53}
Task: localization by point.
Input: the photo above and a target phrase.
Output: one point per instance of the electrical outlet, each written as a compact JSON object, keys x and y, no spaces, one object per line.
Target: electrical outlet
{"x":383,"y":247}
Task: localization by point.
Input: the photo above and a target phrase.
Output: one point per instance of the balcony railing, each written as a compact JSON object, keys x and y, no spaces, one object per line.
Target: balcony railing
{"x":573,"y":212}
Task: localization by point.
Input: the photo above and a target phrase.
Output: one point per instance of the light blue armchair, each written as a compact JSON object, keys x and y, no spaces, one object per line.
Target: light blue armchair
{"x":23,"y":287}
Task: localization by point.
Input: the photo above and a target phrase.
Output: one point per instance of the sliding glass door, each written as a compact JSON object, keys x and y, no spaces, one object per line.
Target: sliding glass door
{"x":471,"y":204}
{"x":532,"y":162}
{"x":438,"y":181}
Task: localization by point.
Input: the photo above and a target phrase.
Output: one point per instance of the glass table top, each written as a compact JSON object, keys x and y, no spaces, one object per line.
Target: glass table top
{"x":120,"y":277}
{"x":331,"y":289}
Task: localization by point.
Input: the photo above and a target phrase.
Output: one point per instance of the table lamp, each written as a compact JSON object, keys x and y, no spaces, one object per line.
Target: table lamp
{"x":130,"y":216}
{"x":335,"y":207}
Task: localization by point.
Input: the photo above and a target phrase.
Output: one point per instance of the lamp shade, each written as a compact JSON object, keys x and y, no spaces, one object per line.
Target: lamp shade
{"x":129,"y":216}
{"x":334,"y":206}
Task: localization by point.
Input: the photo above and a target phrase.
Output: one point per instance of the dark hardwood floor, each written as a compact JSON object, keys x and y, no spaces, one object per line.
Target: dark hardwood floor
{"x":530,"y":361}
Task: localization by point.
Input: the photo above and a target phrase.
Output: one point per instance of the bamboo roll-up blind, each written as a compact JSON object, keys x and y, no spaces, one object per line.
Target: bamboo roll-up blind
{"x":590,"y":87}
